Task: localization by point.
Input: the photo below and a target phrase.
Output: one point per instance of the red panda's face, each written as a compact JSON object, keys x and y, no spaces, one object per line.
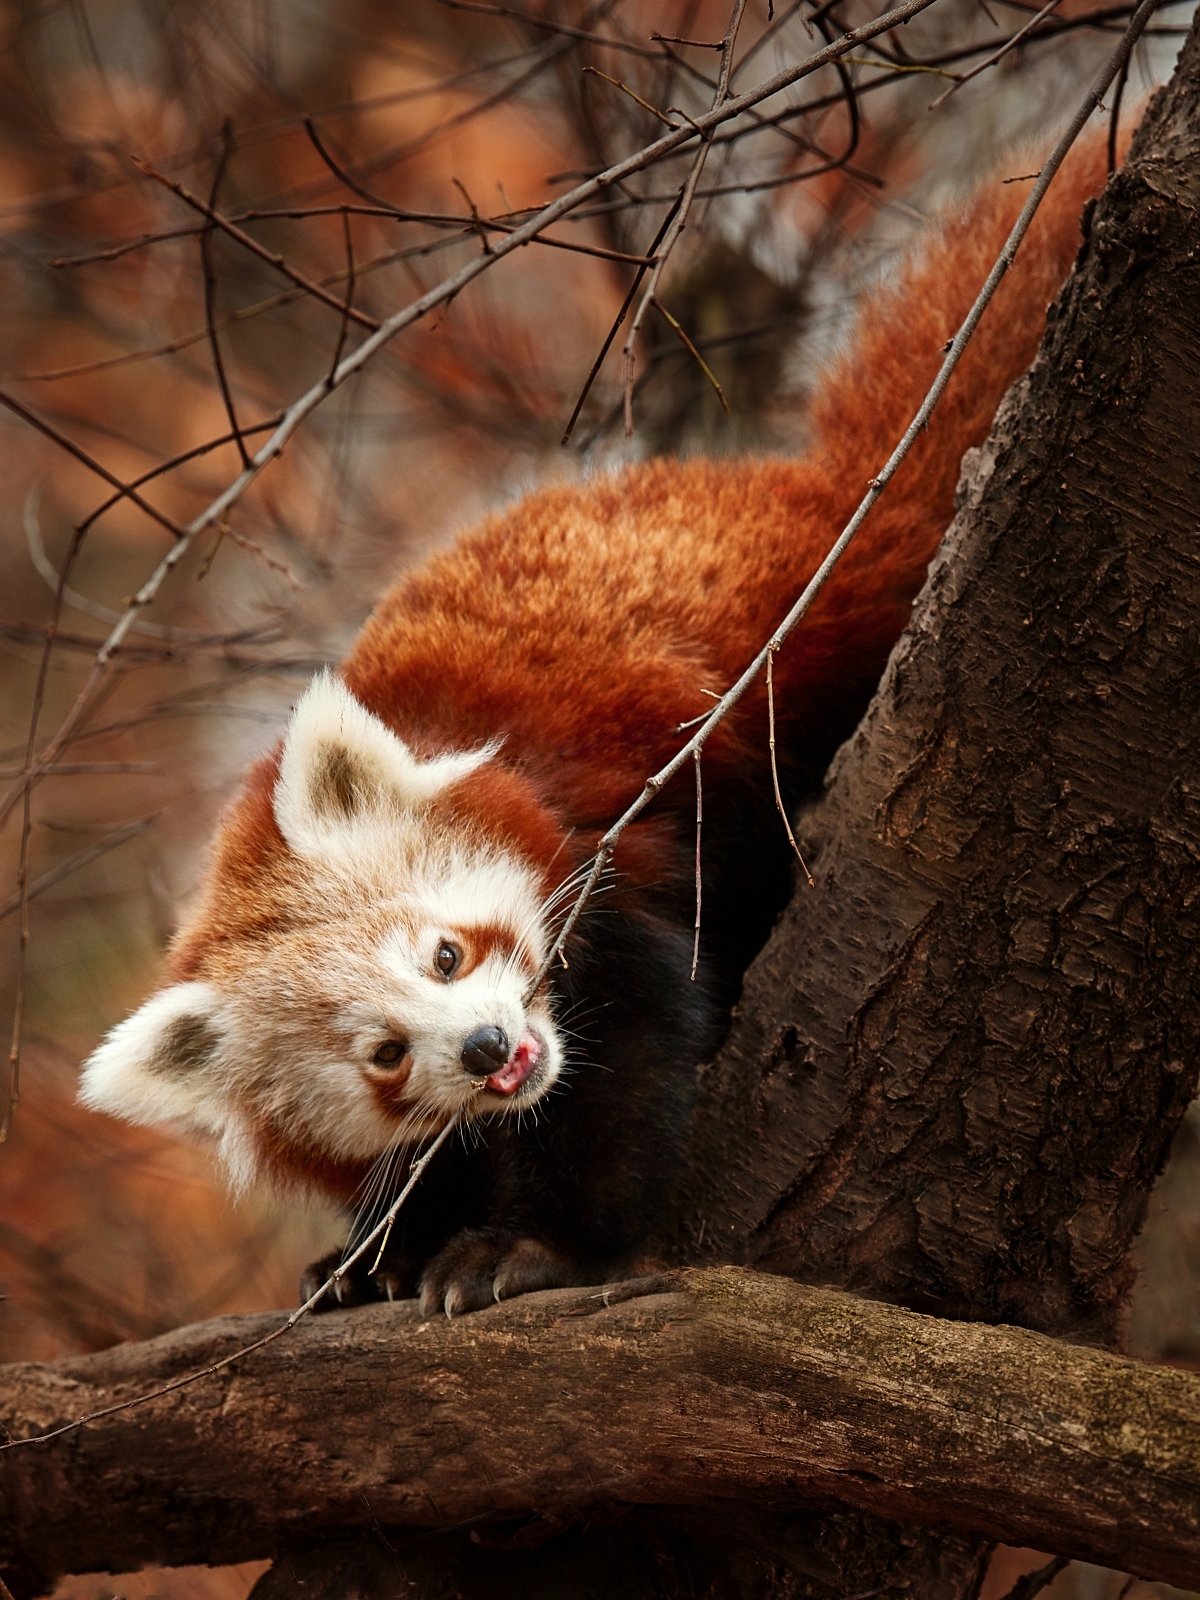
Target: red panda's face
{"x":394,"y":992}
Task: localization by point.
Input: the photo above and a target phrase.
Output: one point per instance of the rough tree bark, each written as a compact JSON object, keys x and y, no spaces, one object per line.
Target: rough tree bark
{"x":701,"y":1385}
{"x":957,"y":1067}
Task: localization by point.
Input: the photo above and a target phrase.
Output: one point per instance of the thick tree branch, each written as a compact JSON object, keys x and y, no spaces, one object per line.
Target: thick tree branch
{"x":696,"y":1387}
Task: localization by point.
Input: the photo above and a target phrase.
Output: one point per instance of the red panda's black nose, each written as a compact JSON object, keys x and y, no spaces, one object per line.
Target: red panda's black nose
{"x":485,"y":1050}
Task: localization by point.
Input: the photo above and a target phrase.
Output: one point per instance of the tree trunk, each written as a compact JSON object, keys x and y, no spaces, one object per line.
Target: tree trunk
{"x":958,"y":1065}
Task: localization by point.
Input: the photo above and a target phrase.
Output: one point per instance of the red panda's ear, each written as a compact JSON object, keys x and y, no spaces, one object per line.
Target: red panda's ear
{"x":157,"y":1066}
{"x":344,"y":773}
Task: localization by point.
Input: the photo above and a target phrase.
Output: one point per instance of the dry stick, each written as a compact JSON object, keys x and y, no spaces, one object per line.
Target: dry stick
{"x":623,"y":45}
{"x":335,"y":1277}
{"x":625,"y":89}
{"x":25,"y":789}
{"x":607,"y":845}
{"x":996,"y":56}
{"x":1054,"y":28}
{"x":66,"y":869}
{"x":681,"y":216}
{"x":69,"y":769}
{"x":798,"y":140}
{"x":688,"y":345}
{"x":269,"y":256}
{"x":210,"y":290}
{"x":345,"y":327}
{"x":699,"y":822}
{"x":775,"y":769}
{"x":697,"y":44}
{"x":1113,"y":127}
{"x":272,"y":303}
{"x":125,"y":491}
{"x":447,"y":290}
{"x":545,"y":57}
{"x":380,"y":207}
{"x":263,"y":131}
{"x":618,"y":320}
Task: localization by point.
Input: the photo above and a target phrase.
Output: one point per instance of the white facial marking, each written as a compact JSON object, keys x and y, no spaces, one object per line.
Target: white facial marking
{"x":285,"y":1047}
{"x":345,"y":777}
{"x":158,"y":1065}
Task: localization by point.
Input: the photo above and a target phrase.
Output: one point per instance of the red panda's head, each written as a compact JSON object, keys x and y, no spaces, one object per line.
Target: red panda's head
{"x":359,"y":967}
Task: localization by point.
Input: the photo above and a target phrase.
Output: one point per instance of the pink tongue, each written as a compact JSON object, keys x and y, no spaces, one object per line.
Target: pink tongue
{"x":518,"y":1067}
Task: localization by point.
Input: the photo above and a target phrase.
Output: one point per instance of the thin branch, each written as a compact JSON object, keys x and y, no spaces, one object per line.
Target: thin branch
{"x":67,"y":869}
{"x":269,"y":256}
{"x":535,"y":21}
{"x":691,"y":348}
{"x":595,"y":72}
{"x":799,"y":610}
{"x":681,"y":216}
{"x":125,"y":491}
{"x":286,"y":297}
{"x":697,"y":44}
{"x":349,"y":301}
{"x":997,"y":55}
{"x":775,"y":768}
{"x":618,"y":320}
{"x":74,"y":769}
{"x":699,"y":825}
{"x":210,"y":290}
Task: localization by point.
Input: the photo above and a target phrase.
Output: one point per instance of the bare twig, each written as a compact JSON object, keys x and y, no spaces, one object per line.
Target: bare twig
{"x":691,"y":348}
{"x":775,"y":768}
{"x":349,"y":301}
{"x":210,"y":289}
{"x":67,"y":869}
{"x":681,"y":216}
{"x":997,"y":55}
{"x":271,"y":257}
{"x":697,"y":44}
{"x":699,"y":826}
{"x":618,"y":320}
{"x":125,"y":491}
{"x":595,"y":72}
{"x":535,"y":21}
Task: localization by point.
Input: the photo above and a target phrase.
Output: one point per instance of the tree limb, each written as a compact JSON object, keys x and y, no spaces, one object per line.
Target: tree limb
{"x":687,"y":1389}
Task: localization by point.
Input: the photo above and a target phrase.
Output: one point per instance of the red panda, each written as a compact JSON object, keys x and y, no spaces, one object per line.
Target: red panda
{"x":389,"y":880}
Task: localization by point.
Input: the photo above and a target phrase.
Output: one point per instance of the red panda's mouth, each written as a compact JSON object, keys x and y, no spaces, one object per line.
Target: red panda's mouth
{"x":519,"y":1066}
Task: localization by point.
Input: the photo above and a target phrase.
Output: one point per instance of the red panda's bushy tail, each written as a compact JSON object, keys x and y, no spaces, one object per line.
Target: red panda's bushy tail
{"x":871,"y":394}
{"x":870,"y":397}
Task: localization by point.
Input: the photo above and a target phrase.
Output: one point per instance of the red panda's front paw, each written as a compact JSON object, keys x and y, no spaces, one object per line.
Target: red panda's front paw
{"x":482,"y":1265}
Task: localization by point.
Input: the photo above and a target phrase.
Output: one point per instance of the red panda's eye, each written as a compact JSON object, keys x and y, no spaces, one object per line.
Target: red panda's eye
{"x":447,"y":959}
{"x":390,"y":1053}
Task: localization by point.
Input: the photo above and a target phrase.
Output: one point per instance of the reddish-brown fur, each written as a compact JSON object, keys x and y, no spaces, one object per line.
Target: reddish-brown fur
{"x":584,"y":624}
